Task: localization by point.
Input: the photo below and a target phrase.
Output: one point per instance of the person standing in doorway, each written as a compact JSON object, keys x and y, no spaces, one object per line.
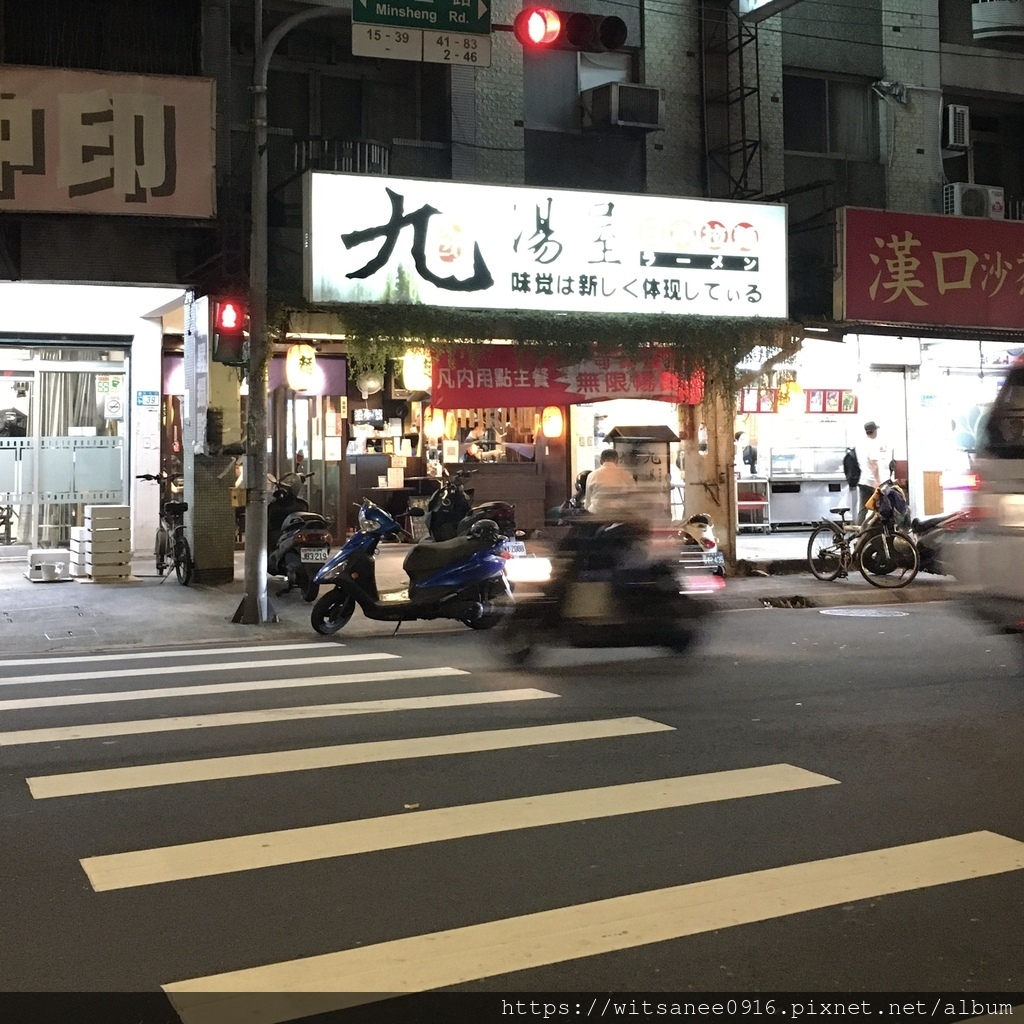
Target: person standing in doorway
{"x":874,"y":465}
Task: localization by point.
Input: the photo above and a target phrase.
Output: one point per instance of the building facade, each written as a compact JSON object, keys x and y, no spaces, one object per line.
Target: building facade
{"x":914,"y":106}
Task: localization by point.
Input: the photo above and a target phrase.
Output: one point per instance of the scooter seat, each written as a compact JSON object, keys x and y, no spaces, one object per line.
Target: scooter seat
{"x":308,"y":519}
{"x":927,"y":524}
{"x":427,"y":556}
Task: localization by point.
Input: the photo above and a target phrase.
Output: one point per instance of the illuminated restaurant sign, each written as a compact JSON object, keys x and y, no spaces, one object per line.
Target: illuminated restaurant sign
{"x":919,"y":269}
{"x":381,"y":240}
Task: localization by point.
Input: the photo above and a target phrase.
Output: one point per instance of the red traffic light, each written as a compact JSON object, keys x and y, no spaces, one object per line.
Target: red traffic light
{"x":229,"y":317}
{"x":546,"y":28}
{"x":537,"y":26}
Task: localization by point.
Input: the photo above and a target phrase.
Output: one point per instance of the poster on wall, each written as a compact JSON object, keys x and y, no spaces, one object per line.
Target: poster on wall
{"x":830,"y":401}
{"x":759,"y":400}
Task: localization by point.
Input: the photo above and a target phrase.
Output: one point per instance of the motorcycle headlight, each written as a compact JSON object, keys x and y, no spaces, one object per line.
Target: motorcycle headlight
{"x":366,"y":524}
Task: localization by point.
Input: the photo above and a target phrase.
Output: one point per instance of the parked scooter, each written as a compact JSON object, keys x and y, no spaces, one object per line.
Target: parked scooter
{"x":606,"y":591}
{"x":932,"y":535}
{"x":461,"y":579}
{"x":450,"y":514}
{"x":700,"y":552}
{"x":298,"y":541}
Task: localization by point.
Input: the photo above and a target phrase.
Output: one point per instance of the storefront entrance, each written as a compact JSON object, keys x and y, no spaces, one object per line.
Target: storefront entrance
{"x":63,"y":427}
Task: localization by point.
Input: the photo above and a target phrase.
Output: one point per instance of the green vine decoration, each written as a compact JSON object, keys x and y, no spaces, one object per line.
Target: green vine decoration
{"x":714,"y":346}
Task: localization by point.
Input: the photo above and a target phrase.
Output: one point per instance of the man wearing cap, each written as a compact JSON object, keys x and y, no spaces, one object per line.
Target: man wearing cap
{"x":874,"y":462}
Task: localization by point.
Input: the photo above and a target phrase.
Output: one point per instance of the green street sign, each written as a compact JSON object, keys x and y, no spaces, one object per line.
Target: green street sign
{"x":468,"y":17}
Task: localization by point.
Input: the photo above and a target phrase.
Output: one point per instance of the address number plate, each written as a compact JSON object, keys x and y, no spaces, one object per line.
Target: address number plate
{"x":454,"y":48}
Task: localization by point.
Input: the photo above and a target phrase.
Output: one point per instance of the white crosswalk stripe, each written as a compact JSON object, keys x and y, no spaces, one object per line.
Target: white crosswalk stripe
{"x":252,"y":685}
{"x":109,"y":780}
{"x":168,"y":670}
{"x":332,"y":981}
{"x":261,"y":716}
{"x":168,"y":652}
{"x":345,"y":838}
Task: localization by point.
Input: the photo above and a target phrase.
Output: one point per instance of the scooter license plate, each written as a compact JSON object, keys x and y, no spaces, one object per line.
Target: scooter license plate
{"x":714,"y":558}
{"x":314,"y":555}
{"x":514,"y":548}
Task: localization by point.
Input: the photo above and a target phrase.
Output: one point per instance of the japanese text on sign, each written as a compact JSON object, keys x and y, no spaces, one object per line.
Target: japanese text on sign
{"x":493,"y":247}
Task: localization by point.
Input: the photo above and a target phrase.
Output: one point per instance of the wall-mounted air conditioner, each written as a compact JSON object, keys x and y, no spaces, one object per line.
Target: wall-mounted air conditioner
{"x":958,"y":127}
{"x":622,"y":105}
{"x":968,"y":200}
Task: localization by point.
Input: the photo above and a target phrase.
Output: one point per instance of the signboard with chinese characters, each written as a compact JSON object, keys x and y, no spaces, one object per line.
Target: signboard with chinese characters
{"x":506,"y":376}
{"x":98,"y":142}
{"x":373,"y":239}
{"x":920,"y":269}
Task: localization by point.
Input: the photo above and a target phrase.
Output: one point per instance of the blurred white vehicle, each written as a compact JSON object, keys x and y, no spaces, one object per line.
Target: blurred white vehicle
{"x":987,"y":559}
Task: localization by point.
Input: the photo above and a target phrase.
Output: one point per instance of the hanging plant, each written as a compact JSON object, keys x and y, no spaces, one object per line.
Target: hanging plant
{"x":713,"y":346}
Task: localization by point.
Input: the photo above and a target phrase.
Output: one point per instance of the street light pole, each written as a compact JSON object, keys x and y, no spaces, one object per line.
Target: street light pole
{"x":255,"y":607}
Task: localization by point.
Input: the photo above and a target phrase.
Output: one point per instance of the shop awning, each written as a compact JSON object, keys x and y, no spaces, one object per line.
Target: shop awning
{"x":509,"y":376}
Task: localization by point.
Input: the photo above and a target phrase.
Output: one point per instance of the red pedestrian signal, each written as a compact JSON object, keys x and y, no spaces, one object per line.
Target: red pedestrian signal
{"x":543,"y":28}
{"x":229,"y":317}
{"x":228,"y":341}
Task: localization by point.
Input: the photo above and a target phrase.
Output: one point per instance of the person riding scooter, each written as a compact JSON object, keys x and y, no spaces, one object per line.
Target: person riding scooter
{"x":606,"y":591}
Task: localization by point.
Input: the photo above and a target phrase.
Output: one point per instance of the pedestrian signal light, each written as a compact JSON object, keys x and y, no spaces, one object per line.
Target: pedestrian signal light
{"x":229,"y":317}
{"x":229,"y":343}
{"x":543,"y":28}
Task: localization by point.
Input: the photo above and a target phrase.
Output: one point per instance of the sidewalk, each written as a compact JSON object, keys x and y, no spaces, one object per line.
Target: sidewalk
{"x":81,"y":616}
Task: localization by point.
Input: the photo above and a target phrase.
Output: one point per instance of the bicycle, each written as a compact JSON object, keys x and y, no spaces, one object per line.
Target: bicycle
{"x":171,"y":542}
{"x":885,"y":556}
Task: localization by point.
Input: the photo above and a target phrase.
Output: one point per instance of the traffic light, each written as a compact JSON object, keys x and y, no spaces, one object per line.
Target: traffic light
{"x":229,"y":343}
{"x":543,"y":28}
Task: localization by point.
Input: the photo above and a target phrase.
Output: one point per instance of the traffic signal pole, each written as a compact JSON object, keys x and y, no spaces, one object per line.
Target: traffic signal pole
{"x":255,"y":607}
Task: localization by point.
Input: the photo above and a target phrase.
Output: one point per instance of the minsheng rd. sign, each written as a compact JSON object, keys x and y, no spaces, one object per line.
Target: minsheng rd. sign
{"x":435,"y":31}
{"x":381,"y":240}
{"x":464,"y":16}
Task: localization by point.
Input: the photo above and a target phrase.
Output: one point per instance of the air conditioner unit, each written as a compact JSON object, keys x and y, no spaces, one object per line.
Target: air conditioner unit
{"x":964,"y":199}
{"x":622,"y":105}
{"x":958,"y":127}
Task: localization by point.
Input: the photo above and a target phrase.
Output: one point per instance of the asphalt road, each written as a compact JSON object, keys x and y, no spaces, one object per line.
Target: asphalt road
{"x":842,"y":813}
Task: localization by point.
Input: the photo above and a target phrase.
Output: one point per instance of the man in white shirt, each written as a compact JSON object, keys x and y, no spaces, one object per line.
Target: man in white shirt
{"x":609,"y":487}
{"x":874,"y":464}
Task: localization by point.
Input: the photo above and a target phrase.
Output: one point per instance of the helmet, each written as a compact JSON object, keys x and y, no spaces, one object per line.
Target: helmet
{"x":484,"y":529}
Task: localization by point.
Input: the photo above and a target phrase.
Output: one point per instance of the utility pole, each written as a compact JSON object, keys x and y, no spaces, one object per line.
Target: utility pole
{"x":255,"y":607}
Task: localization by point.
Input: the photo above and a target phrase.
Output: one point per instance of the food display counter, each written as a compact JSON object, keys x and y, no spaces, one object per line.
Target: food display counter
{"x":805,"y":483}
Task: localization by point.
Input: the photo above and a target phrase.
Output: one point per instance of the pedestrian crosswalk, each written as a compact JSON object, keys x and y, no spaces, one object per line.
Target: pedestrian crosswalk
{"x":472,"y":719}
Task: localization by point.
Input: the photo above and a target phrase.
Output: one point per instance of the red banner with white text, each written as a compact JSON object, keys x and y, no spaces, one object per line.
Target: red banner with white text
{"x":919,"y":269}
{"x":508,"y":376}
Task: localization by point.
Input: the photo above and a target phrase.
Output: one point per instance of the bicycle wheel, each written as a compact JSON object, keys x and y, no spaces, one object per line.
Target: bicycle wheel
{"x":183,"y":560}
{"x":888,"y":560}
{"x":161,"y":549}
{"x":824,"y":553}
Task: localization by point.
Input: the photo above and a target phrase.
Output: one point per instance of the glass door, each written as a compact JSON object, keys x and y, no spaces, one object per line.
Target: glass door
{"x":63,"y":438}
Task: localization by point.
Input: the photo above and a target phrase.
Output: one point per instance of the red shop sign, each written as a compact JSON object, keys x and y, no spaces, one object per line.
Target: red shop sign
{"x":507,"y":376}
{"x":919,"y":269}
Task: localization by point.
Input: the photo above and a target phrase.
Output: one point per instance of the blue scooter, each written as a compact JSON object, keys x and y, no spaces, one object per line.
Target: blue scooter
{"x":461,"y":579}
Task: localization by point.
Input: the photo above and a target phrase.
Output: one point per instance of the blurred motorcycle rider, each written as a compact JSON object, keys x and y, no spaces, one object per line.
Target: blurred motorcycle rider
{"x":609,"y":488}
